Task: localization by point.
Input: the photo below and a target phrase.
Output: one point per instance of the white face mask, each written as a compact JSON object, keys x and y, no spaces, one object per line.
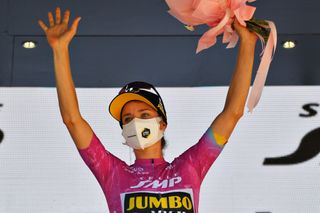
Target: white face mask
{"x":142,"y":133}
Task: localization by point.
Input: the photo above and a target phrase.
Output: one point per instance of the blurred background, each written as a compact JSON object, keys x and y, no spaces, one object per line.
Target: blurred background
{"x":120,"y":41}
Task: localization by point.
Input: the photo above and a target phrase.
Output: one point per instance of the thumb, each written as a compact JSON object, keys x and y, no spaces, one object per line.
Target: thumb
{"x":75,"y":24}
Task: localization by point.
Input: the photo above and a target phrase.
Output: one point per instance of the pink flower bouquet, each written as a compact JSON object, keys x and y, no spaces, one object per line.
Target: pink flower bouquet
{"x":219,"y":16}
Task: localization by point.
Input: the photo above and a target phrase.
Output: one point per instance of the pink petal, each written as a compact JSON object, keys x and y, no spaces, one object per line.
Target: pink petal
{"x":205,"y":42}
{"x":210,"y":10}
{"x":226,"y":37}
{"x":208,"y":39}
{"x":233,"y":40}
{"x":235,"y":4}
{"x":196,"y":3}
{"x":180,"y":5}
{"x":186,"y":17}
{"x":246,"y":12}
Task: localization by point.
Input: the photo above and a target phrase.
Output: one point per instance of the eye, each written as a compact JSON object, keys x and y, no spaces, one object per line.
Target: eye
{"x":145,"y":115}
{"x":127,"y":119}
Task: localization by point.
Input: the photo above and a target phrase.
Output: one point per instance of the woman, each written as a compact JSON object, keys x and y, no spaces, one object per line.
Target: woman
{"x":151,"y":184}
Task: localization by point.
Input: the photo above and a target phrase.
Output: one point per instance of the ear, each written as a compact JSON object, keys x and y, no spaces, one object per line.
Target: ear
{"x":163,"y":125}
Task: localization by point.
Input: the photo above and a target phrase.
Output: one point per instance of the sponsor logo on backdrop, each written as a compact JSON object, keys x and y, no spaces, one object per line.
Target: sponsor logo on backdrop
{"x":309,"y":146}
{"x":154,"y":202}
{"x":1,"y":132}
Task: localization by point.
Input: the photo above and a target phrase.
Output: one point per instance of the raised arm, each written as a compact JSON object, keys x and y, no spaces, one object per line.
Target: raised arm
{"x":226,"y":121}
{"x":59,"y":36}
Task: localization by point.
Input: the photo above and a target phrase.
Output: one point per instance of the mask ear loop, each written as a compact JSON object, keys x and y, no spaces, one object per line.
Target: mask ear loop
{"x":161,"y":131}
{"x":159,"y":119}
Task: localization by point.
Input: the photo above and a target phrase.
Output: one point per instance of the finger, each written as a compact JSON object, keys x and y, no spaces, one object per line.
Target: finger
{"x":235,"y":24}
{"x":66,"y":16}
{"x":42,"y":25}
{"x":50,"y":17}
{"x":58,"y":15}
{"x":75,"y":24}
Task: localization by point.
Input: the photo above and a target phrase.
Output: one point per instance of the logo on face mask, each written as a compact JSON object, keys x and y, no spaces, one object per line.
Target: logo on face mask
{"x":145,"y":133}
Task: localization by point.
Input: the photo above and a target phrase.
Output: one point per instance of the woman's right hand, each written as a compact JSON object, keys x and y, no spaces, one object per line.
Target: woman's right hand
{"x":58,"y":34}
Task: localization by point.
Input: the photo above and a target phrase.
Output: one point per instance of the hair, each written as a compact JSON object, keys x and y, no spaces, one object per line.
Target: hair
{"x":163,"y":143}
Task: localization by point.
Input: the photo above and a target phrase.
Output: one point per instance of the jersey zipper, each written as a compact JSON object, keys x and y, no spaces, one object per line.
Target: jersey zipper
{"x":152,"y":162}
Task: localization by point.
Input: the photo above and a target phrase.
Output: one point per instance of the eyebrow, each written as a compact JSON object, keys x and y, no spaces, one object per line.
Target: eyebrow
{"x":140,"y":110}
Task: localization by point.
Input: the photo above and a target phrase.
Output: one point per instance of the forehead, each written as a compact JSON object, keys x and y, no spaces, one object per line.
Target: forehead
{"x":133,"y":106}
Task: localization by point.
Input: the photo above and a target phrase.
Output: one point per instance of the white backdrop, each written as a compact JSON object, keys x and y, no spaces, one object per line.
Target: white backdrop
{"x":42,"y":172}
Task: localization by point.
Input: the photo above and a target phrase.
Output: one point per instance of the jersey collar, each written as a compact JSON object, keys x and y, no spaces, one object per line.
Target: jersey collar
{"x":150,"y":162}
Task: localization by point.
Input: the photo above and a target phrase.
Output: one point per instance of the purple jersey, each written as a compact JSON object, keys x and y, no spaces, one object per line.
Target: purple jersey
{"x":152,"y":185}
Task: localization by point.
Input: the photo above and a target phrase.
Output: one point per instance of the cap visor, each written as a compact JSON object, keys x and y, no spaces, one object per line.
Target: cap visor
{"x":119,"y":101}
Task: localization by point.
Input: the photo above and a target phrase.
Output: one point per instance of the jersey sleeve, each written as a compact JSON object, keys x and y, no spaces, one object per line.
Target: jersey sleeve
{"x":202,"y":155}
{"x":98,"y":159}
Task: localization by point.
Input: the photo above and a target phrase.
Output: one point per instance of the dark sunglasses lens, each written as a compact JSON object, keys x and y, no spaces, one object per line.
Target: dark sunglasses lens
{"x":140,"y":85}
{"x":136,"y":86}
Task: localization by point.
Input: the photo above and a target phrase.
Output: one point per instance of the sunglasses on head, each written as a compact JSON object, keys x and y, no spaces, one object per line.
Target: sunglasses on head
{"x":136,"y":87}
